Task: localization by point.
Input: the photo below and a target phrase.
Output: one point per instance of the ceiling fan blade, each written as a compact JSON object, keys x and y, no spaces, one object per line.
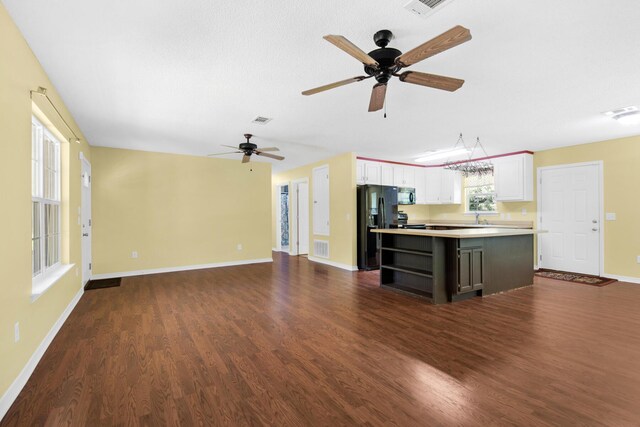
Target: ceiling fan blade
{"x":229,"y":146}
{"x":377,"y":97}
{"x":342,"y":43}
{"x":333,"y":85}
{"x":220,"y":154}
{"x":431,"y":80}
{"x":455,"y":36}
{"x":270,"y":149}
{"x":245,"y":158}
{"x":273,"y":156}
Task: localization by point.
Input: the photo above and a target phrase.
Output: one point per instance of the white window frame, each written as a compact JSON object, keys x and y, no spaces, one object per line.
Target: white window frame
{"x":467,"y":200}
{"x":47,"y":274}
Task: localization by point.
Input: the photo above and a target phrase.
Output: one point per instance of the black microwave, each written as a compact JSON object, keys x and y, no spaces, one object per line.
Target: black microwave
{"x":406,"y":196}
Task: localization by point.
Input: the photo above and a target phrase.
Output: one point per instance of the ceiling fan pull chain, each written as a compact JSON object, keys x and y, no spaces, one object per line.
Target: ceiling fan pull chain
{"x":385,"y":108}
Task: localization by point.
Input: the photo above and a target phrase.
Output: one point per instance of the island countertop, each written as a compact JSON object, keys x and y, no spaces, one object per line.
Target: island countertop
{"x":463,"y":233}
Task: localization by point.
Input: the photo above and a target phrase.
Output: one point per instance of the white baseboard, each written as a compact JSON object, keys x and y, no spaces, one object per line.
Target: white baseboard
{"x":16,"y":387}
{"x":333,"y":263}
{"x":623,"y":278}
{"x":182,"y":268}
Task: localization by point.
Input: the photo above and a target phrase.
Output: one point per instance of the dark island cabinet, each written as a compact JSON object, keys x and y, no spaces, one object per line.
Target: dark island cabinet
{"x":465,"y":266}
{"x":470,"y":270}
{"x":446,"y":268}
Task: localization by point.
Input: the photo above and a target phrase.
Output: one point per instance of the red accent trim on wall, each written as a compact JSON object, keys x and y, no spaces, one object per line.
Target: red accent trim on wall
{"x":442,"y":164}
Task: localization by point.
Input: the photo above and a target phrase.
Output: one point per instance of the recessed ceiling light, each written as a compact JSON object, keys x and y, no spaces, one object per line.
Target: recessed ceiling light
{"x":627,"y":115}
{"x":442,"y":154}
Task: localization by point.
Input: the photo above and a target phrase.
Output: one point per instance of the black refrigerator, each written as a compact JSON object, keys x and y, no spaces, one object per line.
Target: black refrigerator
{"x":377,"y":208}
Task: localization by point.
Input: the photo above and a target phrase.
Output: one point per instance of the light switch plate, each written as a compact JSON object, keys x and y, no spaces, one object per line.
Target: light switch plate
{"x":611,"y":216}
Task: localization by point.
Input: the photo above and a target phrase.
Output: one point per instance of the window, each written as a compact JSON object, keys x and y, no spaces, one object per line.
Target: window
{"x":480,"y":193}
{"x":45,"y":200}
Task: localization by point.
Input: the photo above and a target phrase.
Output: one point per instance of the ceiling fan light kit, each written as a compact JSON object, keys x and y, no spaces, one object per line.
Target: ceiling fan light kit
{"x":386,"y":62}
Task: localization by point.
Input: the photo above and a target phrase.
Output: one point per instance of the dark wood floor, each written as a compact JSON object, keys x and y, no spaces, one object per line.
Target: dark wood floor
{"x":299,"y":343}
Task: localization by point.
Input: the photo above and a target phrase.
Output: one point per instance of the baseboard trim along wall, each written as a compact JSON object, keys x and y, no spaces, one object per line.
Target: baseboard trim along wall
{"x":623,"y":278}
{"x":18,"y":384}
{"x":333,"y":263}
{"x":182,"y":268}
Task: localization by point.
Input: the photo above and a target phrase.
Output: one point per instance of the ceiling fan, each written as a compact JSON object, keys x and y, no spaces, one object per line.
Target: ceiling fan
{"x":386,"y":62}
{"x":248,"y":148}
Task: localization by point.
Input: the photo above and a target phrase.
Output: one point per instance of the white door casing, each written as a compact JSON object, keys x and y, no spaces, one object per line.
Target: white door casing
{"x":570,"y":211}
{"x":85,"y":219}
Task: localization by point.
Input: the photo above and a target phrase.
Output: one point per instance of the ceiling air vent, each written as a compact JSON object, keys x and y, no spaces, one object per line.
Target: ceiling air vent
{"x":425,"y":8}
{"x":261,"y":120}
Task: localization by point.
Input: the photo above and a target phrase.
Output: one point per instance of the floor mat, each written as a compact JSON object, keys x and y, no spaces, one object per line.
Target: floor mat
{"x":102,"y":283}
{"x":575,"y":277}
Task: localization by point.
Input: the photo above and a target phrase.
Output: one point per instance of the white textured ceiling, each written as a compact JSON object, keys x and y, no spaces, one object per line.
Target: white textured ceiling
{"x":187,"y":76}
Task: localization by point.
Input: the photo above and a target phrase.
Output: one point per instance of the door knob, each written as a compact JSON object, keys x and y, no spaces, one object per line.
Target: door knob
{"x":595,"y":221}
{"x":594,"y":229}
{"x":85,"y":234}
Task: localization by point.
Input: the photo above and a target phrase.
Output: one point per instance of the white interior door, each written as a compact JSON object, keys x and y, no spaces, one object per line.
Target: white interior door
{"x":302,"y":193}
{"x":85,"y":220}
{"x":569,"y":211}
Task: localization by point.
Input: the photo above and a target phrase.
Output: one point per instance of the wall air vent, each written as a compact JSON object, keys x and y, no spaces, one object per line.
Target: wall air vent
{"x":261,"y":120}
{"x":321,"y":248}
{"x":425,"y":8}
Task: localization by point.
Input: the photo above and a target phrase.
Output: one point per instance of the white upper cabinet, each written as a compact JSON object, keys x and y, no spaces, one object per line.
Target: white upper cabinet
{"x":404,"y":176}
{"x":386,"y":171}
{"x":450,"y":187}
{"x":421,"y":187}
{"x":367,"y":172}
{"x":513,"y":177}
{"x":442,"y":187}
{"x":432,"y":186}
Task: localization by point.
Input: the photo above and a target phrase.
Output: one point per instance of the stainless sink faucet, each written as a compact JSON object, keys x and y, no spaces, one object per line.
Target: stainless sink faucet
{"x":477,"y":217}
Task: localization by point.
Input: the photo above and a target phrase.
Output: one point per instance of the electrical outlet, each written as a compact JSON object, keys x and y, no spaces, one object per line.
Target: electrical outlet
{"x":638,"y":259}
{"x":524,"y":211}
{"x":611,"y":216}
{"x":239,"y":246}
{"x":134,"y":254}
{"x":16,"y":331}
{"x":509,"y":216}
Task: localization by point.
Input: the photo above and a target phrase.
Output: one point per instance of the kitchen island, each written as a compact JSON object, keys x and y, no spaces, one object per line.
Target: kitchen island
{"x":452,"y":265}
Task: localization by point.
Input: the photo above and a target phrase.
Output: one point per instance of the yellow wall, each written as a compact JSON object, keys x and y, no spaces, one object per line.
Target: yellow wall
{"x":342,"y":220}
{"x":621,"y":160}
{"x":177,"y":210}
{"x":19,"y":73}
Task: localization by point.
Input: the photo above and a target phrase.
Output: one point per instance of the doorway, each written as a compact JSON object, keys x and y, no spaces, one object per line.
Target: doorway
{"x":282,"y":215}
{"x":85,"y":218}
{"x":570,"y":211}
{"x":299,"y":242}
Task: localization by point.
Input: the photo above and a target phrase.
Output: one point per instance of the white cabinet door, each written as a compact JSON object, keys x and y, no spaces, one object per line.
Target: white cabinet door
{"x":432,"y":185}
{"x":367,"y":172}
{"x":404,"y":176}
{"x":409,"y":177}
{"x":398,"y":176}
{"x":386,"y":172}
{"x":451,"y":187}
{"x":420,"y":186}
{"x":513,"y":177}
{"x":360,"y":174}
{"x":372,"y":173}
{"x":321,"y":200}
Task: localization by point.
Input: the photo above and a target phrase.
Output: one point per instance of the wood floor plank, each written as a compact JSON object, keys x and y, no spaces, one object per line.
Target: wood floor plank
{"x":300,"y":343}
